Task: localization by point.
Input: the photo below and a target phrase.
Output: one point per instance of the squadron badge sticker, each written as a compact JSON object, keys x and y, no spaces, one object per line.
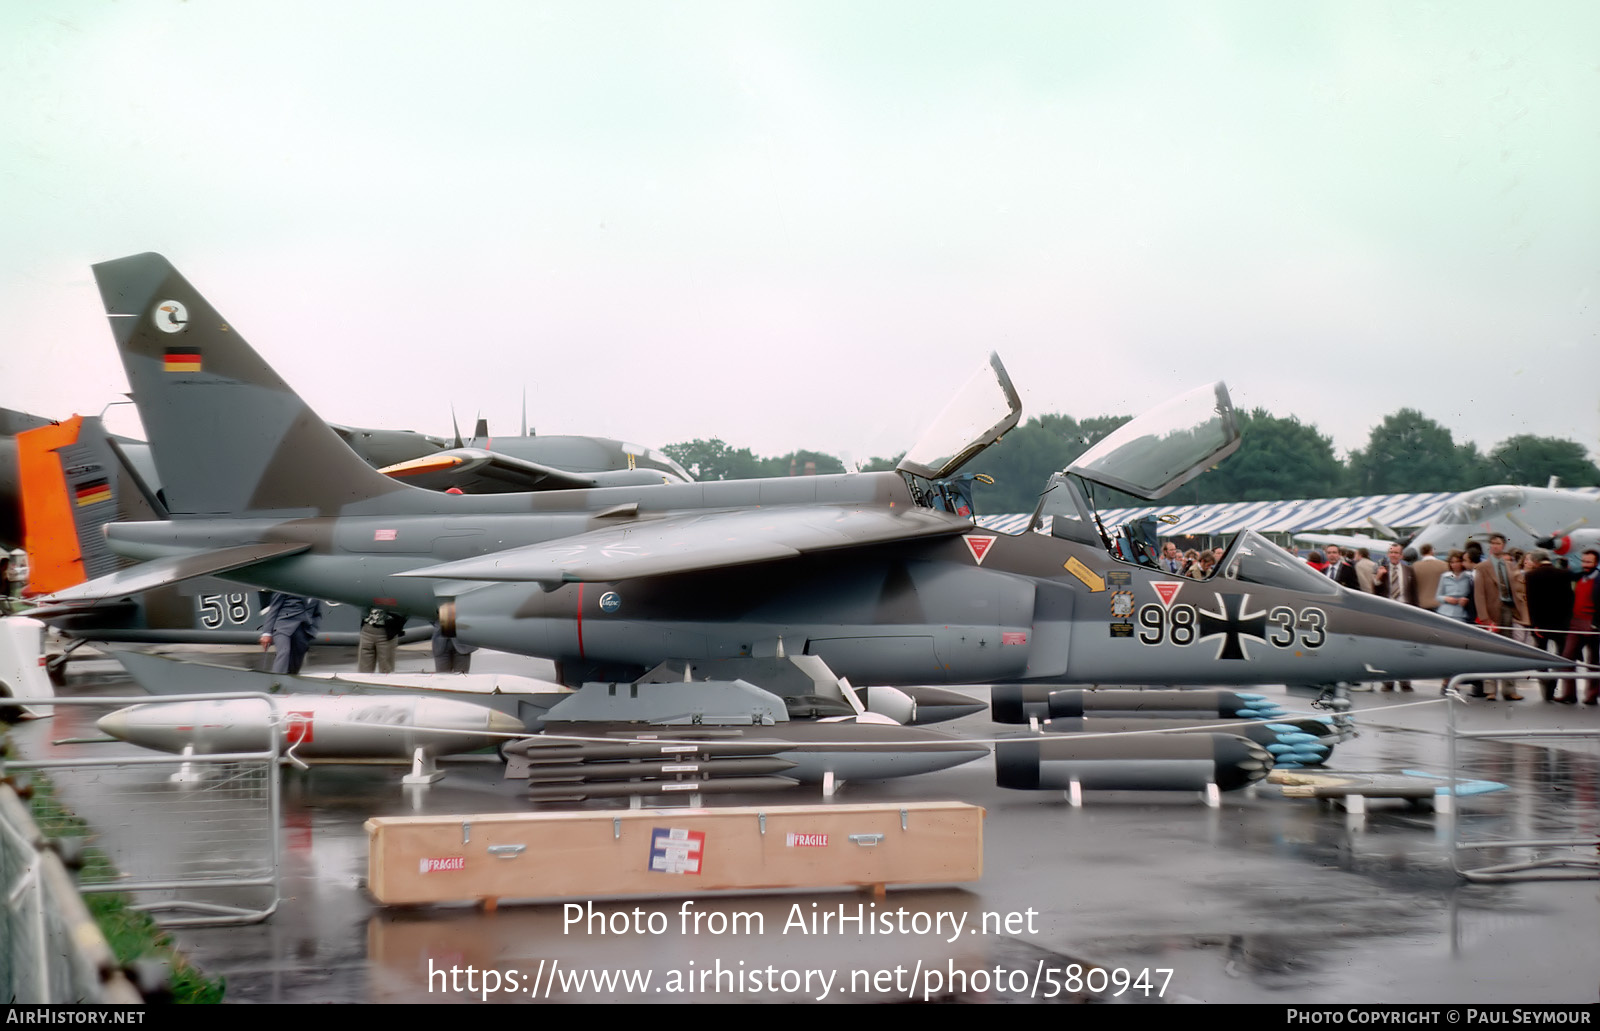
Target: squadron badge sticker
{"x":170,"y":317}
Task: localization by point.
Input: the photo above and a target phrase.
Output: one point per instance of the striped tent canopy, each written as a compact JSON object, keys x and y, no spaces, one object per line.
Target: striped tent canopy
{"x":1400,"y":511}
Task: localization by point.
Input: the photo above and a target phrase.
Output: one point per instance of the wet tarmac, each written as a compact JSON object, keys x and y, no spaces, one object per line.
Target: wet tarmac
{"x":1265,"y":899}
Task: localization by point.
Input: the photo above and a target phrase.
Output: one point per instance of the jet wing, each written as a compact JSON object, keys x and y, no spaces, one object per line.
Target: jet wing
{"x":1375,"y":545}
{"x":700,"y":540}
{"x":162,"y":571}
{"x":504,"y":473}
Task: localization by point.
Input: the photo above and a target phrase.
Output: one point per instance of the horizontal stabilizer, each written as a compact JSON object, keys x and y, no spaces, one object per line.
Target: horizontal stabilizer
{"x":441,"y":470}
{"x":477,"y":471}
{"x":163,"y":571}
{"x":690,"y":543}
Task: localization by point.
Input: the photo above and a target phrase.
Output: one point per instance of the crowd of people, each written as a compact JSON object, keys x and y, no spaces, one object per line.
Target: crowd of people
{"x":1506,"y":591}
{"x":1193,"y":563}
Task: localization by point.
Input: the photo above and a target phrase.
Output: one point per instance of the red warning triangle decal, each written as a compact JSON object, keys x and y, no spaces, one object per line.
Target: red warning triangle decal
{"x":1166,"y":591}
{"x":978,"y":544}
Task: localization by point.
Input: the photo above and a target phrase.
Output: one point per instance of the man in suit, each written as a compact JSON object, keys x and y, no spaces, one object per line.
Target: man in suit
{"x":1581,"y":637}
{"x":1171,"y":561}
{"x":1397,"y":582}
{"x":1428,"y":569}
{"x":1366,"y":571}
{"x":1341,"y":569}
{"x":290,"y":624}
{"x":1491,"y":587}
{"x":1549,"y":609}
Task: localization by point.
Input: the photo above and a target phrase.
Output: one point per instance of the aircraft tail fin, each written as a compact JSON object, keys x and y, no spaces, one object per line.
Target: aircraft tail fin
{"x":74,"y":481}
{"x":228,"y":435}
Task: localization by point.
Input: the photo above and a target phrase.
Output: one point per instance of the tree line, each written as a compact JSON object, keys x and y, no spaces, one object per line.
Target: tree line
{"x":1278,"y":458}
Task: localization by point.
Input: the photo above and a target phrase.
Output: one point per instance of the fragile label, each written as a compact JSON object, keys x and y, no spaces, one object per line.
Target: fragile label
{"x":807,"y":840}
{"x":440,"y":865}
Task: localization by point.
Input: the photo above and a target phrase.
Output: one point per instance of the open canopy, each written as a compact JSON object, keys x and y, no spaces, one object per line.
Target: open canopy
{"x":982,"y":412}
{"x":1166,"y":447}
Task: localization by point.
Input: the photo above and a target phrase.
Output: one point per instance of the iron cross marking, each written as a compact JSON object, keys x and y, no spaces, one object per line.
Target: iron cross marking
{"x":1232,"y":622}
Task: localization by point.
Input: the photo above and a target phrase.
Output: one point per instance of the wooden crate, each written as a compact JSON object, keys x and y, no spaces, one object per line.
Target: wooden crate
{"x":488,"y":857}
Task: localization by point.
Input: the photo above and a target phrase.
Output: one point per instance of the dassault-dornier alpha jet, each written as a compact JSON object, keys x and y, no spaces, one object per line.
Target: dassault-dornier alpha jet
{"x":884,"y":575}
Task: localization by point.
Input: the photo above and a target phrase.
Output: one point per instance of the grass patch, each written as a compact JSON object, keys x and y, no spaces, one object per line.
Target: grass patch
{"x":132,"y":935}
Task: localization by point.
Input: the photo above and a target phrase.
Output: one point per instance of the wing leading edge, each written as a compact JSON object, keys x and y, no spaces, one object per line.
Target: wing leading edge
{"x":697,"y":541}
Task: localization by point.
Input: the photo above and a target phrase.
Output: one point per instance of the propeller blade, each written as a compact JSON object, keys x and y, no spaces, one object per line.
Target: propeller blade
{"x":1382,"y":528}
{"x":1550,"y":540}
{"x":1570,"y":527}
{"x":1516,"y":520}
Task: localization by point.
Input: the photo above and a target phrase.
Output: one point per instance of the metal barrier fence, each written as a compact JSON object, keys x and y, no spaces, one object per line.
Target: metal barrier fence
{"x":51,"y":950}
{"x":1571,"y":856}
{"x":223,"y":843}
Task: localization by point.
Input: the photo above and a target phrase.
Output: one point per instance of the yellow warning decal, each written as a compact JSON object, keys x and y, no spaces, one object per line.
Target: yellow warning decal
{"x":1090,"y":578}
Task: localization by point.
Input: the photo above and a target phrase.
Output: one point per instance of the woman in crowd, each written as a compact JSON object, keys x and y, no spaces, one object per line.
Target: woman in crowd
{"x":1455,"y":589}
{"x":1455,"y":597}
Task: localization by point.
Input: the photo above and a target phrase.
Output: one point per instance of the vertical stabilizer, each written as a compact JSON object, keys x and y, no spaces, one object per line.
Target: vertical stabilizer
{"x":73,"y":482}
{"x":229,"y":437}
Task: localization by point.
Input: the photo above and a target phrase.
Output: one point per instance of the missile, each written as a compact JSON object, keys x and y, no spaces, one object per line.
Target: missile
{"x":892,"y":702}
{"x":687,"y":745}
{"x":929,"y":704}
{"x":315,"y":726}
{"x":1413,"y":784}
{"x":722,"y":719}
{"x":757,"y":766}
{"x":1280,"y":739}
{"x":1165,"y":762}
{"x":620,"y":789}
{"x":848,"y":749}
{"x":1018,"y":703}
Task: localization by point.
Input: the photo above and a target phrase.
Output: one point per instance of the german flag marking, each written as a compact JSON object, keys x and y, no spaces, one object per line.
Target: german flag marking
{"x":182,"y":359}
{"x":89,"y":493}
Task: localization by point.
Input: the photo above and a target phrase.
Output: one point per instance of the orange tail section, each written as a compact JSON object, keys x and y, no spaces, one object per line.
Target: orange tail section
{"x":69,"y":476}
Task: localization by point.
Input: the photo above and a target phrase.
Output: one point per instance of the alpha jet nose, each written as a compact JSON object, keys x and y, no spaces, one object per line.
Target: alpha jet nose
{"x":1401,"y":642}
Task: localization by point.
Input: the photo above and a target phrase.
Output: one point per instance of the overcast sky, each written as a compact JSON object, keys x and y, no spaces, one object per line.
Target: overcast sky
{"x":804,"y":224}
